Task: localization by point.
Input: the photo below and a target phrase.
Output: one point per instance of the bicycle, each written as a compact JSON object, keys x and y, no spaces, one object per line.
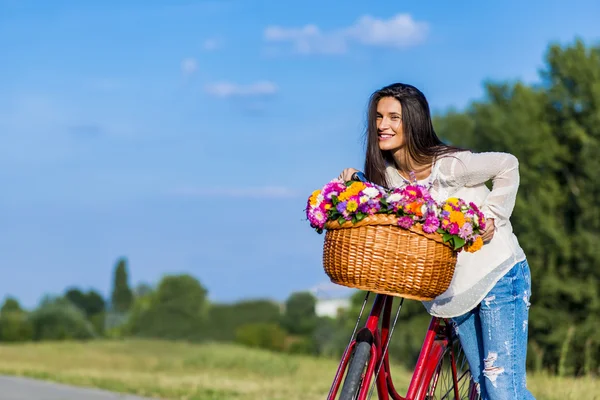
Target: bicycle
{"x":441,"y":371}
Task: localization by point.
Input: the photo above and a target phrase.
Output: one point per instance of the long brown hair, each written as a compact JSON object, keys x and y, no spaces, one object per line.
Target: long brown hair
{"x":422,"y":143}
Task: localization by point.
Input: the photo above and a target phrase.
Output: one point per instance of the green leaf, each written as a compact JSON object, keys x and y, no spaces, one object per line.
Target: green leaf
{"x":341,"y":220}
{"x":458,"y":242}
{"x":354,"y":219}
{"x":360,"y":216}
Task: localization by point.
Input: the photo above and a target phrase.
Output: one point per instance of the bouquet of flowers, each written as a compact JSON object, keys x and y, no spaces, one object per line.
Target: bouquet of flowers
{"x":460,"y":224}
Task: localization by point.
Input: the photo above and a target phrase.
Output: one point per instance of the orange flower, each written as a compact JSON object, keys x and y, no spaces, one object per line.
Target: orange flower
{"x":477,"y":244}
{"x":458,"y":217}
{"x":415,"y":208}
{"x":352,"y":190}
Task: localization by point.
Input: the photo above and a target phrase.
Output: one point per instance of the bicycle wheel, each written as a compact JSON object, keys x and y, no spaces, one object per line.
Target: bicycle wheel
{"x":356,"y":371}
{"x":451,"y":378}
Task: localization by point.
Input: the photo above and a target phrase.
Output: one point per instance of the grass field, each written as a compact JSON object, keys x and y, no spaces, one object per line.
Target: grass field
{"x":210,"y":372}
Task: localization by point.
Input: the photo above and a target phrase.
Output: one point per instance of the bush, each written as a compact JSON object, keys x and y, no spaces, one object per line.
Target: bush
{"x":225,"y":319}
{"x":267,"y":336}
{"x":302,"y":345}
{"x":59,"y":319}
{"x":15,"y":327}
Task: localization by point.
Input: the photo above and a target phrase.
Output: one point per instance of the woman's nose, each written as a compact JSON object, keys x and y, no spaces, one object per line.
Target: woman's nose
{"x":384,"y":123}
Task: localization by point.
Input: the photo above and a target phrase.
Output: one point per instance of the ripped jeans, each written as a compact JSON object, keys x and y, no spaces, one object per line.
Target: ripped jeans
{"x":494,"y":337}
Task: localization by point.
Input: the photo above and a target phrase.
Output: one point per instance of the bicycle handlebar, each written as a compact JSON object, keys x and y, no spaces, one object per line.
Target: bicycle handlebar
{"x":359,"y":176}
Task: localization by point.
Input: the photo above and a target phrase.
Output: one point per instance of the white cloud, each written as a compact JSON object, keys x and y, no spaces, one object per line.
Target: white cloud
{"x":308,"y":39}
{"x":228,"y":89}
{"x":399,"y":31}
{"x":211,"y":44}
{"x":189,"y":66}
{"x":257,"y":192}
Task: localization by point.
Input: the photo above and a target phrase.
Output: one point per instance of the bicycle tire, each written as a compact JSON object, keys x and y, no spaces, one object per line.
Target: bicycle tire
{"x":354,"y":377}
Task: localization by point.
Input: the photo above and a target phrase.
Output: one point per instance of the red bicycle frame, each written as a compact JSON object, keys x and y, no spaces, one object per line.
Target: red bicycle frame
{"x":435,"y":343}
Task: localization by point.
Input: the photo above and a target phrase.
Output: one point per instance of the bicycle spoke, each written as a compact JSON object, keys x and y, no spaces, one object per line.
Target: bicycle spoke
{"x":442,"y":384}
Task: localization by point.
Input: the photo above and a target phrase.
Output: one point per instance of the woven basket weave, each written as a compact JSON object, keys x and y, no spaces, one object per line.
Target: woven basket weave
{"x":377,"y":255}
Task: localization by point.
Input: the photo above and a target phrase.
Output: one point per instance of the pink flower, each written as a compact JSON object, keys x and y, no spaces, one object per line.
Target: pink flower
{"x":406,"y":222}
{"x":432,"y":223}
{"x":333,"y":188}
{"x":317,"y":217}
{"x":453,"y":228}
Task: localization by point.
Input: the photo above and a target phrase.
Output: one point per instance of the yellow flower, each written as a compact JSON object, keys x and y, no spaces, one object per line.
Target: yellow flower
{"x":314,"y":196}
{"x":453,"y":200}
{"x":458,"y":217}
{"x":327,"y":206}
{"x":351,"y":206}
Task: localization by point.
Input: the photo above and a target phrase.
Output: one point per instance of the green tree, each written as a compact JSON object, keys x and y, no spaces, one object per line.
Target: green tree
{"x":122,"y":296}
{"x":177,"y":310}
{"x":11,"y":305}
{"x":91,"y":303}
{"x":300,"y":317}
{"x":554,"y":130}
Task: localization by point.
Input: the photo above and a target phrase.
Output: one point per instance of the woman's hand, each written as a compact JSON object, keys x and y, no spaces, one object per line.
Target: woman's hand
{"x":346,"y":174}
{"x":490,"y":228}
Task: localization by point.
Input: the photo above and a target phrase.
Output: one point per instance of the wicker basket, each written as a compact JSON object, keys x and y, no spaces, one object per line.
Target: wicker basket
{"x":377,"y":255}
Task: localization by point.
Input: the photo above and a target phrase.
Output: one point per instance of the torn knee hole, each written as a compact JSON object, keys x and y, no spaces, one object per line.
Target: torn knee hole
{"x":491,"y":371}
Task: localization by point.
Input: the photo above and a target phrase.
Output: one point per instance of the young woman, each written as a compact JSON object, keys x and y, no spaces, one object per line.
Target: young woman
{"x":488,"y":298}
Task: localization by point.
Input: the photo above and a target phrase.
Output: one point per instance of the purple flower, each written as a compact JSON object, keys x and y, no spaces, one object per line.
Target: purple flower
{"x":406,"y":222}
{"x":364,"y":207}
{"x":341,"y":206}
{"x":431,"y":224}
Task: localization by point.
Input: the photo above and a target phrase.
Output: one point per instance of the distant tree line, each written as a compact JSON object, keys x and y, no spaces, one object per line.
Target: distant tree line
{"x":554,"y":130}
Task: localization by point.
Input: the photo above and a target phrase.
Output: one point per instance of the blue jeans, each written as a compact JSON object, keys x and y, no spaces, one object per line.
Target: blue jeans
{"x":494,"y":337}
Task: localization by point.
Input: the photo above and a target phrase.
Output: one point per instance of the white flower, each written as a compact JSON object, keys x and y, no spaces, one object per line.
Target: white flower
{"x":394,"y":197}
{"x":424,"y":209}
{"x":371,"y":192}
{"x":320,"y":199}
{"x":364,"y":199}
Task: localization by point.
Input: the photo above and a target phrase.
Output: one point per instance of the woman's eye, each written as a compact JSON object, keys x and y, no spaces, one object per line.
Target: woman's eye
{"x":395,"y":118}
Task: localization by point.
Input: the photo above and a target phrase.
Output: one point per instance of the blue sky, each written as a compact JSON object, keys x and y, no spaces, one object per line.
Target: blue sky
{"x":187,"y":135}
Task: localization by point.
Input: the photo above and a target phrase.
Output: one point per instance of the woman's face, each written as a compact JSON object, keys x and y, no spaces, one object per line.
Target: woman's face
{"x":389,"y":124}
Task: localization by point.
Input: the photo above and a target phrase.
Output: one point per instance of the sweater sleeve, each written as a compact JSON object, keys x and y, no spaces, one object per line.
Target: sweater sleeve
{"x":464,"y":169}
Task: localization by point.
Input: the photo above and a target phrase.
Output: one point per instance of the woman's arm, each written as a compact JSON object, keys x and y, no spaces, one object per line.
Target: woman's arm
{"x":466,"y":169}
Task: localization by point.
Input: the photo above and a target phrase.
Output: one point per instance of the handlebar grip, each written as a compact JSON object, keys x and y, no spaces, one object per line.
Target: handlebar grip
{"x":359,"y":176}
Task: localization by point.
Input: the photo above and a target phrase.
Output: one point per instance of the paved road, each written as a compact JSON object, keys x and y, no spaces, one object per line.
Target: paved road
{"x":16,"y":388}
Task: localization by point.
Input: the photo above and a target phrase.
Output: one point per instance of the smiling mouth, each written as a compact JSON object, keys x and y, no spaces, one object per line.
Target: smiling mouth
{"x":385,"y":136}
